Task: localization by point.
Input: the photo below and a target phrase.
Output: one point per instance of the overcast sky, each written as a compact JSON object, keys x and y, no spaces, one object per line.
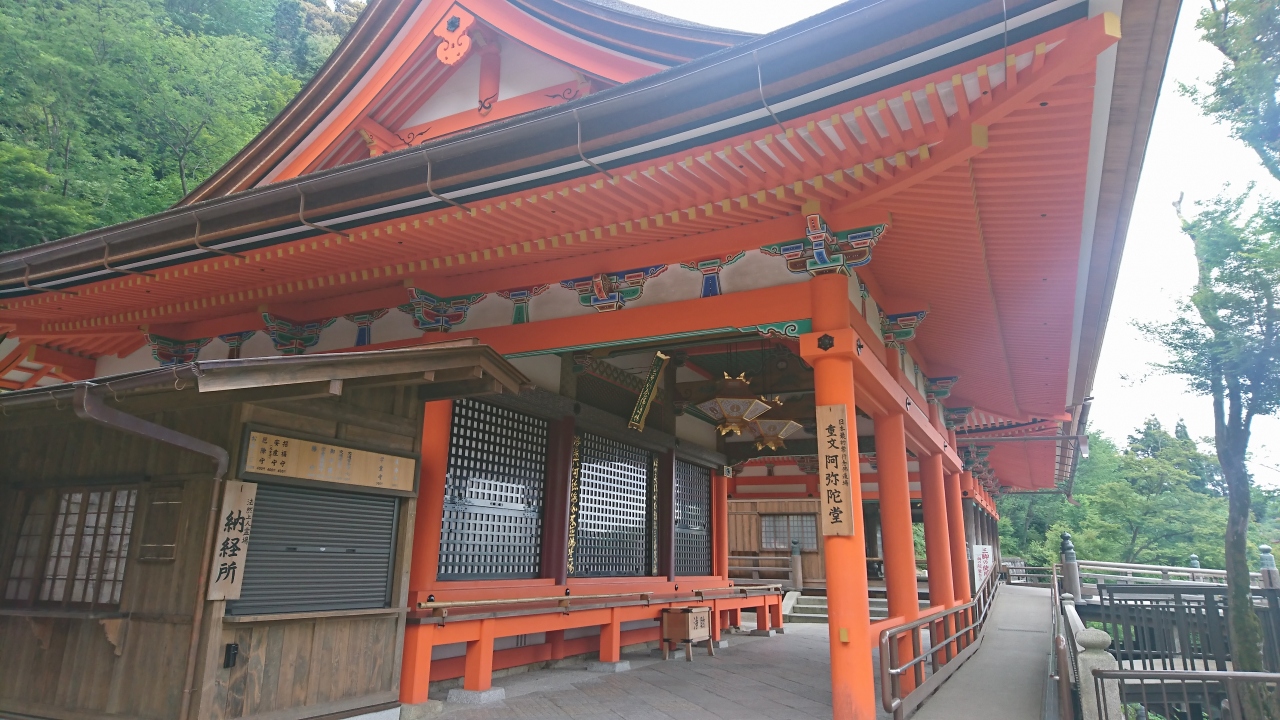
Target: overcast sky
{"x":1187,"y":154}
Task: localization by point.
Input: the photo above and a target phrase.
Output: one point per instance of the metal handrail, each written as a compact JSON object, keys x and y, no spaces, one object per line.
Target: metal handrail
{"x":967,"y":620}
{"x":1163,"y":690}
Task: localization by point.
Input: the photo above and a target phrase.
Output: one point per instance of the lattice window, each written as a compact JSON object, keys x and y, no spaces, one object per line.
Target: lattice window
{"x":24,"y":572}
{"x":85,"y":561}
{"x":777,"y":532}
{"x":611,"y":510}
{"x":494,"y":493}
{"x":693,"y":519}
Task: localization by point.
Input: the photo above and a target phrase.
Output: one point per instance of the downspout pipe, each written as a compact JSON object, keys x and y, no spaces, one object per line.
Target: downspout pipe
{"x":90,"y":407}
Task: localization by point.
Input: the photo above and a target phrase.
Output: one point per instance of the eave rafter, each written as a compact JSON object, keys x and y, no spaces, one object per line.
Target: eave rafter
{"x":848,"y":158}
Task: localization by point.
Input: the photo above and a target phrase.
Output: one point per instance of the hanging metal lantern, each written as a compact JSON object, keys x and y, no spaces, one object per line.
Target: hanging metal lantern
{"x":771,"y":433}
{"x":734,"y":406}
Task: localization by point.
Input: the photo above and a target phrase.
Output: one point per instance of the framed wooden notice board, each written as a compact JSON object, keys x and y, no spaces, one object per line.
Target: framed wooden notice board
{"x":269,"y":454}
{"x":834,"y":474}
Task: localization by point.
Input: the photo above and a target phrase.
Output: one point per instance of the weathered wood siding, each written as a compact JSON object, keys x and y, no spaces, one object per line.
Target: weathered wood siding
{"x":66,"y":666}
{"x":744,"y":532}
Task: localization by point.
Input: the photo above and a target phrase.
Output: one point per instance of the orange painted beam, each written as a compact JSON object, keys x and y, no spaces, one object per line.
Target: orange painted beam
{"x":895,"y":526}
{"x":437,"y":423}
{"x":768,"y":305}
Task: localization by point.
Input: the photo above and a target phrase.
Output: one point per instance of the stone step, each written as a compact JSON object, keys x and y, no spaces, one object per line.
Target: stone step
{"x":809,"y":610}
{"x":805,"y":618}
{"x":811,"y":601}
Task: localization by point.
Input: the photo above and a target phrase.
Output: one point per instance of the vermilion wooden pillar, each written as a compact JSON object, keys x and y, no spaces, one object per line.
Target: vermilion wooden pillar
{"x":853,"y":691}
{"x":895,"y":529}
{"x":720,"y":526}
{"x":415,"y":671}
{"x":937,"y":538}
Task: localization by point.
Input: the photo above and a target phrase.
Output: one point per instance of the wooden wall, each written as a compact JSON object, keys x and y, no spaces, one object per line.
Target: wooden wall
{"x":744,"y":531}
{"x":131,"y":661}
{"x":312,"y":664}
{"x":62,"y":664}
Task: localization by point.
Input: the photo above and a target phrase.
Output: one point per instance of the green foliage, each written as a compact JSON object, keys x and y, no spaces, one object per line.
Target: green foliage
{"x":1156,"y":501}
{"x":114,"y":109}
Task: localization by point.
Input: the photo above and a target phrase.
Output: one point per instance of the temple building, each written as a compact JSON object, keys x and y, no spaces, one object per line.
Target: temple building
{"x":556,"y":307}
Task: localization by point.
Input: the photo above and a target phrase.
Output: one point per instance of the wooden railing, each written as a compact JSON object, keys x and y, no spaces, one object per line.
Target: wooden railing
{"x":754,"y":566}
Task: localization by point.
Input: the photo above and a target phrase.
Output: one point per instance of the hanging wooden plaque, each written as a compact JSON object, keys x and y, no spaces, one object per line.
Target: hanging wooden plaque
{"x":834,"y":474}
{"x":235,"y":523}
{"x":280,"y":456}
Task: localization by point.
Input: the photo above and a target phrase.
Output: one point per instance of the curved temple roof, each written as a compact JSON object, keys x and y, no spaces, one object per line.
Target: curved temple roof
{"x":1003,"y":226}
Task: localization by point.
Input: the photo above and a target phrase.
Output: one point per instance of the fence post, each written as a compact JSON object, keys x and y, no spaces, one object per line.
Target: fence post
{"x":1194,"y":562}
{"x":1095,"y":657}
{"x":797,"y":570}
{"x":1270,"y":576}
{"x":1070,"y":569}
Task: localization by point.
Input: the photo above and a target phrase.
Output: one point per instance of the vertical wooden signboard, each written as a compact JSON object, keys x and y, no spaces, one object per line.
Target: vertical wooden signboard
{"x":834,"y":473}
{"x":235,"y":522}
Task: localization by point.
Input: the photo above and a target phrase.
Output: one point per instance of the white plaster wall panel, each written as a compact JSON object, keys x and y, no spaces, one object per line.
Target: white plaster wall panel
{"x":685,"y":374}
{"x":341,"y":334}
{"x":556,"y":302}
{"x":7,"y":345}
{"x":692,"y":430}
{"x":215,"y":350}
{"x":525,"y":70}
{"x":491,"y":311}
{"x":543,"y":370}
{"x":395,"y":325}
{"x":459,"y":93}
{"x":671,"y":285}
{"x":452,"y":650}
{"x":259,"y":345}
{"x":757,"y":270}
{"x":140,"y":359}
{"x":515,"y":641}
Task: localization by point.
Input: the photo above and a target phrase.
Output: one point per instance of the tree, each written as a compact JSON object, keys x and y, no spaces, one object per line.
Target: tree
{"x":1227,"y":343}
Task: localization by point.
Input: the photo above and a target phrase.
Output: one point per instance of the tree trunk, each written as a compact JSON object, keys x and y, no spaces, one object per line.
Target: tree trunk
{"x":1244,"y":627}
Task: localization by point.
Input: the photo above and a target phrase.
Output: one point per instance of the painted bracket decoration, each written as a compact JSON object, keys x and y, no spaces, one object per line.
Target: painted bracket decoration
{"x":520,"y":298}
{"x":792,"y":329}
{"x":900,"y":327}
{"x":974,"y":457}
{"x":294,"y":338}
{"x":455,"y":43}
{"x":168,"y":351}
{"x":939,"y":388}
{"x":607,"y":292}
{"x":822,"y":252}
{"x":432,"y":313}
{"x":955,"y":417}
{"x":710,"y":269}
{"x":648,"y":391}
{"x":235,"y":341}
{"x":364,"y":325}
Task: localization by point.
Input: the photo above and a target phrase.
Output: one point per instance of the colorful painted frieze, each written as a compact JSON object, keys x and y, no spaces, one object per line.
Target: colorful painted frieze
{"x":710,"y":269}
{"x":939,"y":388}
{"x":168,"y":351}
{"x":432,"y":313}
{"x":607,"y":292}
{"x":294,"y":338}
{"x":898,"y":328}
{"x":235,"y":341}
{"x":956,"y":417}
{"x":364,"y":325}
{"x":520,"y":298}
{"x":791,"y":329}
{"x":822,"y":251}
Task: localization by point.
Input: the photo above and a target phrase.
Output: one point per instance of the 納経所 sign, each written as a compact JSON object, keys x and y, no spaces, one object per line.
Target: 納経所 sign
{"x":235,"y":522}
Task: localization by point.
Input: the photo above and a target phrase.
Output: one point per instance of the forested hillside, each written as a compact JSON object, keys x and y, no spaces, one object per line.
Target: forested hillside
{"x":114,"y":109}
{"x":1157,"y":499}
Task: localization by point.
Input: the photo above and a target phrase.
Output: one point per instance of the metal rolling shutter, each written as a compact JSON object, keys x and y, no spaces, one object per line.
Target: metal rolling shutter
{"x":693,"y":519}
{"x":317,"y":550}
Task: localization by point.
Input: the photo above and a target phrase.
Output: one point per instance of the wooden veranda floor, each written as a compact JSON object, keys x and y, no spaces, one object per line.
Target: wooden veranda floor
{"x":782,"y":677}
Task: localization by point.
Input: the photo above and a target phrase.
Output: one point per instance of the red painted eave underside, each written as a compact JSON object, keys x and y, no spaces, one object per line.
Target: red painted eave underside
{"x":989,"y":247}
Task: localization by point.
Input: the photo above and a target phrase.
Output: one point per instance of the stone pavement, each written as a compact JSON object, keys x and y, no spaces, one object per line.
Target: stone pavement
{"x":1006,"y":677}
{"x":784,"y":677}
